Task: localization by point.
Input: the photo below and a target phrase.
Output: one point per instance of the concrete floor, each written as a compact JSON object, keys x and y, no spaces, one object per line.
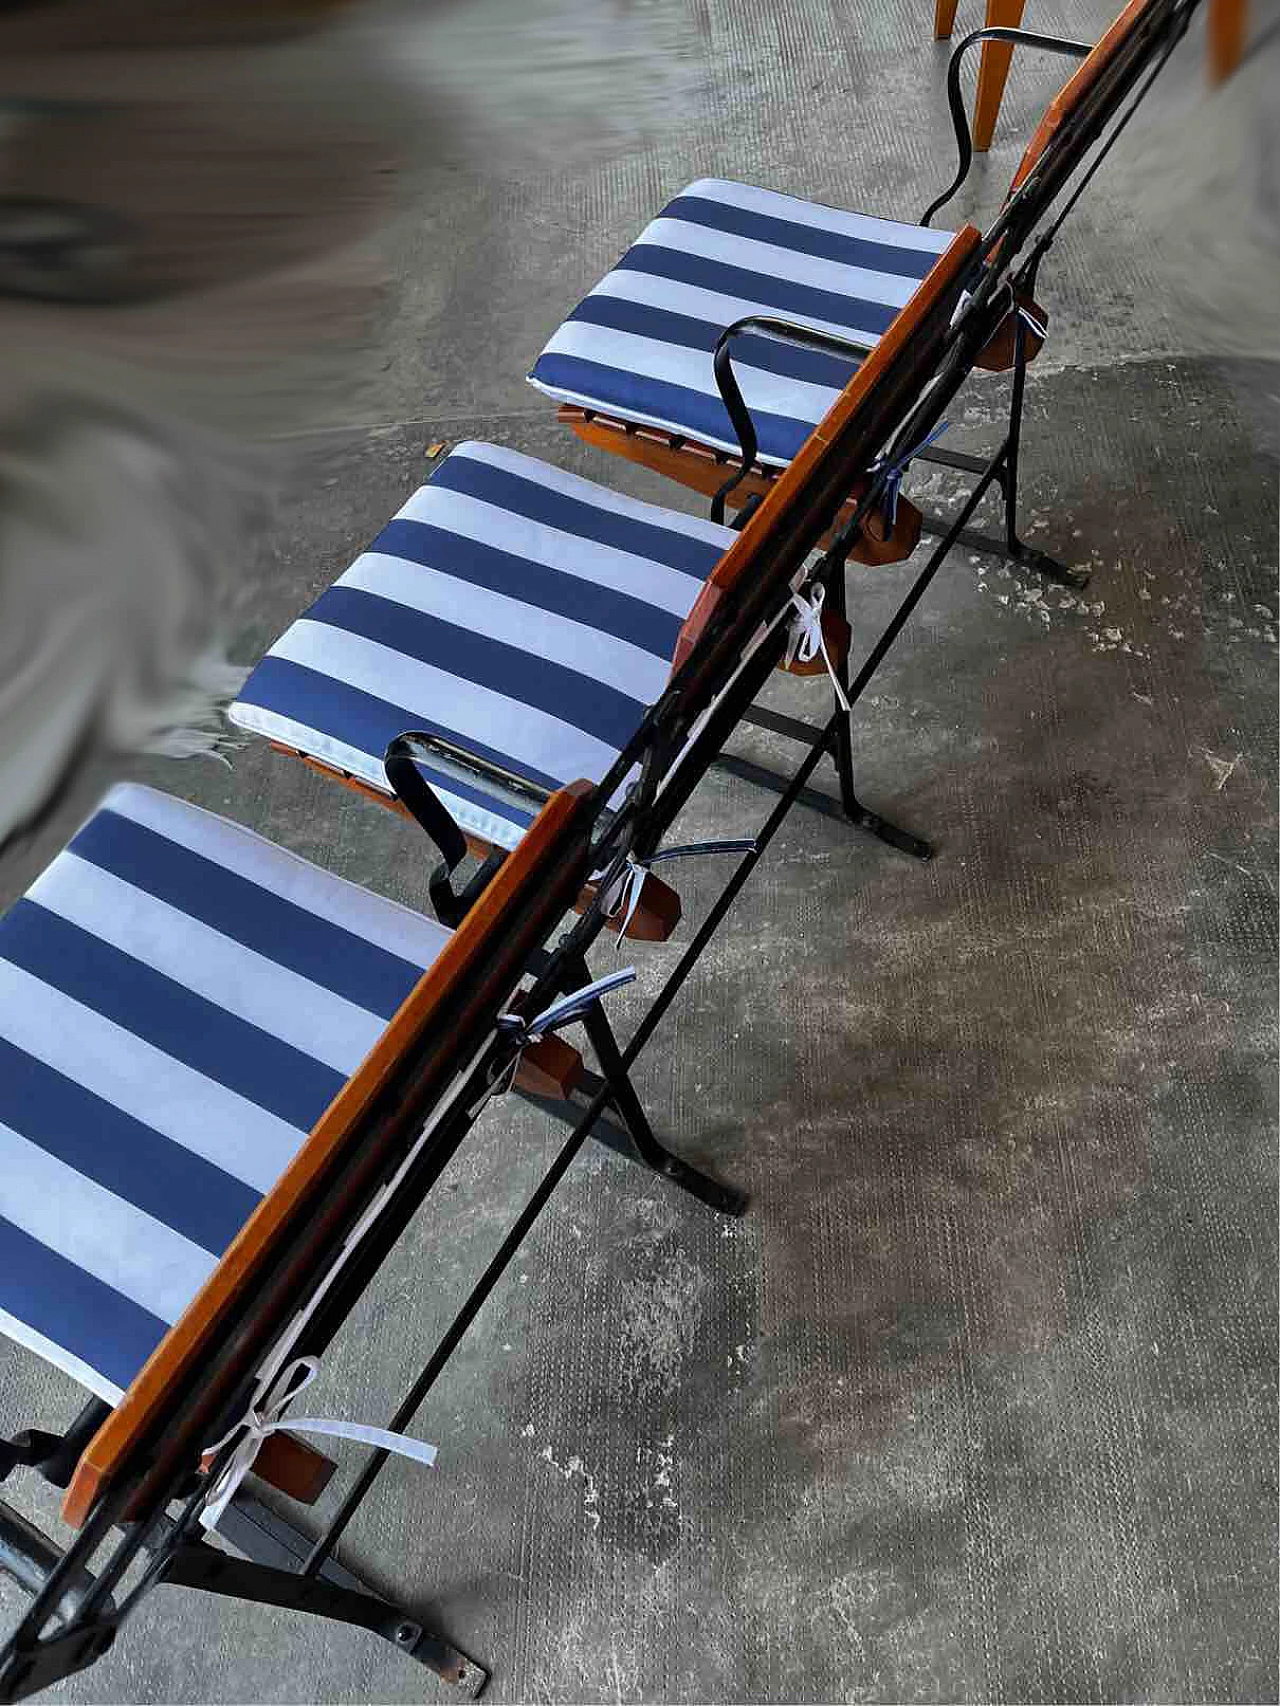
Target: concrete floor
{"x":978,"y":1400}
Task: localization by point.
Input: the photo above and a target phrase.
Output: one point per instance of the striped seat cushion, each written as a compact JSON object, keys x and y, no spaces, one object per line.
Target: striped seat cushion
{"x":522,"y":612}
{"x":179,"y":1003}
{"x":640,"y":345}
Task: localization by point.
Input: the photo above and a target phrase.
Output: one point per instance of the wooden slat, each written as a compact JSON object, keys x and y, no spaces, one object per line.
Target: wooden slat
{"x":293,"y":1467}
{"x":1073,"y":91}
{"x":1000,"y":351}
{"x":256,"y":1286}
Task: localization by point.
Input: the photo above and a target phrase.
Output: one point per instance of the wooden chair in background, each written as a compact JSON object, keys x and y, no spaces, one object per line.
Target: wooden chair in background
{"x":1227,"y":26}
{"x":993,"y":68}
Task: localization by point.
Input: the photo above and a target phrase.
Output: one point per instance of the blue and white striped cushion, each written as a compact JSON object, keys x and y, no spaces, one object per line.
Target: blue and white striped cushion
{"x":179,"y":1003}
{"x":525,"y":613}
{"x":640,"y":345}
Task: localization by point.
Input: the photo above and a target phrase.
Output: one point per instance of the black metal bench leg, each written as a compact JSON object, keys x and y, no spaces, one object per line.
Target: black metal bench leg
{"x":609,"y":1129}
{"x":1011,"y":546}
{"x":859,"y":815}
{"x":54,"y":1456}
{"x":198,"y":1565}
{"x":270,"y":1574}
{"x":644,"y":1145}
{"x":1027,"y":556}
{"x":862,"y":817}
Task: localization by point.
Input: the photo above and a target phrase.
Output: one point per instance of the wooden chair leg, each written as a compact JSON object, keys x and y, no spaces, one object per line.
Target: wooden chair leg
{"x":994,"y":68}
{"x":944,"y":19}
{"x":1228,"y":20}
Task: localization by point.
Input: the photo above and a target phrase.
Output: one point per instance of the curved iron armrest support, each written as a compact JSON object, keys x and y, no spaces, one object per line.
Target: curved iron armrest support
{"x":960,"y":119}
{"x":401,"y":760}
{"x":786,"y":331}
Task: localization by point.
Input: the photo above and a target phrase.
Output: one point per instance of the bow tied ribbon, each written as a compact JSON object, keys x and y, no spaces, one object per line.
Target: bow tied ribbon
{"x":807,"y":641}
{"x":894,"y":472}
{"x":265,"y":1416}
{"x":566,"y":1010}
{"x":630,"y":885}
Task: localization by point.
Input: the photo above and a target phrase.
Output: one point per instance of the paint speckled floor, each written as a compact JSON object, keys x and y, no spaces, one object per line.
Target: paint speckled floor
{"x":978,"y":1400}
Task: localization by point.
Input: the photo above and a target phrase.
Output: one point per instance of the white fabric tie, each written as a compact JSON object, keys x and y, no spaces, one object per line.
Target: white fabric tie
{"x":567,"y":1010}
{"x":273,"y":1377}
{"x":630,"y":888}
{"x":630,"y":885}
{"x":807,"y":640}
{"x":265,"y":1416}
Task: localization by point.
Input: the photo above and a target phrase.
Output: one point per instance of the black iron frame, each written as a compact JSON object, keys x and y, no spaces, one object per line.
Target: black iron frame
{"x":174,"y":1551}
{"x":1004,"y":475}
{"x":1022,"y":212}
{"x":676,"y":742}
{"x":1000,"y":470}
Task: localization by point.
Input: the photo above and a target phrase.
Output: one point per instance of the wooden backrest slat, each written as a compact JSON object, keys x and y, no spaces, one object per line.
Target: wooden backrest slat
{"x":437,"y":1029}
{"x":1082,"y":81}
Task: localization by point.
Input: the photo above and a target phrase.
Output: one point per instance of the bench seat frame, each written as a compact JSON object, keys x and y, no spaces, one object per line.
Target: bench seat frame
{"x":91,"y":1616}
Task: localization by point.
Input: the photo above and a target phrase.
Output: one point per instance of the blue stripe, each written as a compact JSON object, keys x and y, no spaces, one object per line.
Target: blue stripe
{"x":600,"y":607}
{"x":120,"y":1153}
{"x":529,"y":498}
{"x":692,"y":411}
{"x":369,"y":724}
{"x":900,"y":260}
{"x":524,"y":677}
{"x":797,"y":301}
{"x":105,"y":1329}
{"x":664,"y":326}
{"x":185,"y":1026}
{"x":371,"y":977}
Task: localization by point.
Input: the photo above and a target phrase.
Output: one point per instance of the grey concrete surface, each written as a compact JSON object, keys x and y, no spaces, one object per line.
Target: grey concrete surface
{"x":978,"y":1400}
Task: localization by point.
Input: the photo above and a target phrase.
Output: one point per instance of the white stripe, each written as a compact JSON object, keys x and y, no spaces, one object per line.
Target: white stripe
{"x":553,"y":637}
{"x":525,"y":735}
{"x":26,"y":1336}
{"x":771,"y":261}
{"x":711,"y":307}
{"x":587,"y":491}
{"x":497,"y":831}
{"x":98,"y":1232}
{"x":227,"y":1129}
{"x":865,"y":226}
{"x":385,"y":923}
{"x":281,"y":1002}
{"x":797,"y":399}
{"x":673,"y":590}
